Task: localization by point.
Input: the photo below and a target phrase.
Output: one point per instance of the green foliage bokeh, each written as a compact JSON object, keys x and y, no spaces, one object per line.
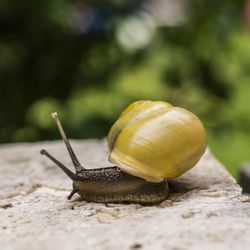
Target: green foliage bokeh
{"x":51,"y":62}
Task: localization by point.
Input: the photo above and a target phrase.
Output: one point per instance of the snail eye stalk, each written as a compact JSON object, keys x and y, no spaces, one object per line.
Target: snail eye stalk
{"x":70,"y":174}
{"x":78,"y":167}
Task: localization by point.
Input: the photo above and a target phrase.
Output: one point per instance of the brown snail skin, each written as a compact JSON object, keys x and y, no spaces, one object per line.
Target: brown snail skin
{"x":108,"y":185}
{"x":149,"y":143}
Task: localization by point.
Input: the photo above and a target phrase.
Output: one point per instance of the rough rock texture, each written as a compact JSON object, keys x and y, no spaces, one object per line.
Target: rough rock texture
{"x":205,"y":210}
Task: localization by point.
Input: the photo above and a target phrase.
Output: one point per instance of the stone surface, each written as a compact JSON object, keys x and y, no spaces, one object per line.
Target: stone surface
{"x":205,"y":209}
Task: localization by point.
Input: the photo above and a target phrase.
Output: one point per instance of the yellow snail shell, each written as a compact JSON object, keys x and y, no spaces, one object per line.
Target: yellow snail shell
{"x":154,"y":140}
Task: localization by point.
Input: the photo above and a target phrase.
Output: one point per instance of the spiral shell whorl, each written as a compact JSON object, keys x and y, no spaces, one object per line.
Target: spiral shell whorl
{"x":154,"y":140}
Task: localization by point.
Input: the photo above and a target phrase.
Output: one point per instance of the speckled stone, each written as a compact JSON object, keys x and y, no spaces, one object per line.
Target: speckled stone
{"x":205,"y":209}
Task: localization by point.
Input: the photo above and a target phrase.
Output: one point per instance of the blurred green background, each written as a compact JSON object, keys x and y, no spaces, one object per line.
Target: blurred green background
{"x":89,"y":59}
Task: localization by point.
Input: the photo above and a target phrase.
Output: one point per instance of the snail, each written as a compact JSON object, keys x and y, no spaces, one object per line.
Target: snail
{"x":150,"y":142}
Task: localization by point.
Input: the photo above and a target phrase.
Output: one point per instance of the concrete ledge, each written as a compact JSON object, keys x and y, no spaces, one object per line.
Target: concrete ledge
{"x":205,"y":210}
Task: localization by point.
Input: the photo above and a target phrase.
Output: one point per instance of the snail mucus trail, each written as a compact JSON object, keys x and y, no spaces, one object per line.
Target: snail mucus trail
{"x":109,"y":184}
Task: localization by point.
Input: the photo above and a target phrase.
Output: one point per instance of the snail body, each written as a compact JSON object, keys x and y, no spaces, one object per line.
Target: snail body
{"x":150,"y":142}
{"x":112,"y":185}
